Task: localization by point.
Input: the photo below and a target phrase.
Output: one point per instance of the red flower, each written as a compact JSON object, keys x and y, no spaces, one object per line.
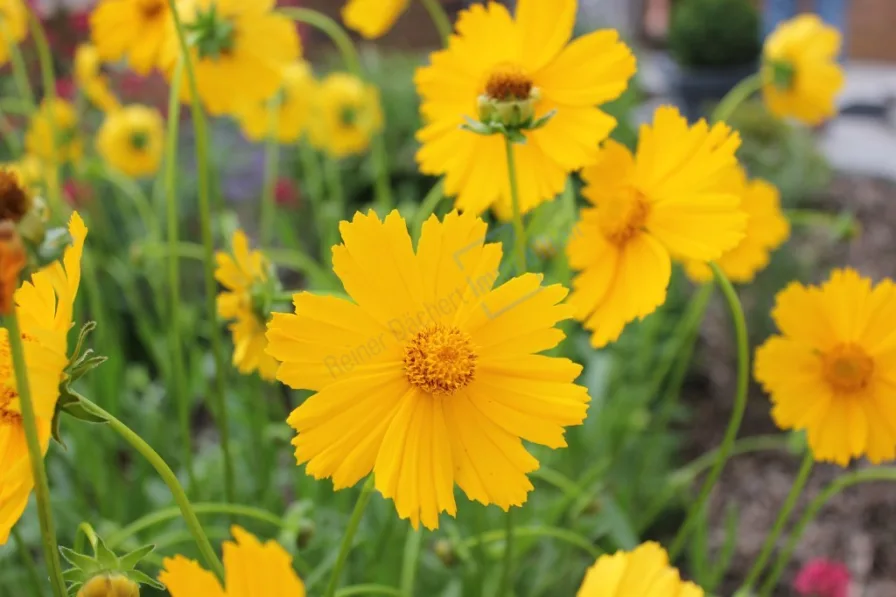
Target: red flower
{"x":287,"y":193}
{"x":823,"y":578}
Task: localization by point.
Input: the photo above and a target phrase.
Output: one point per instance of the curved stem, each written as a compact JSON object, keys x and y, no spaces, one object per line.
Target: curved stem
{"x":205,"y":216}
{"x":737,"y":414}
{"x":839,"y":484}
{"x":170,"y":479}
{"x":19,"y":71}
{"x":335,"y":209}
{"x":36,"y":455}
{"x":783,"y":516}
{"x":519,"y":240}
{"x":556,"y":533}
{"x":136,"y":196}
{"x":368,"y":590}
{"x":348,"y":539}
{"x":734,"y":98}
{"x":409,"y":561}
{"x":439,"y":19}
{"x":271,"y":166}
{"x":30,"y":566}
{"x":427,"y":207}
{"x":86,"y":531}
{"x":506,"y":585}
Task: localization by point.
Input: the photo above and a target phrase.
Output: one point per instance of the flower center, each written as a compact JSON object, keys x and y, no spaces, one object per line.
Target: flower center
{"x":847,"y":368}
{"x":139,"y":140}
{"x":508,"y":82}
{"x":348,"y":116}
{"x":150,"y":9}
{"x":783,"y":74}
{"x":15,"y":200}
{"x":440,"y":359}
{"x":9,"y":398}
{"x":211,"y":35}
{"x":623,"y":218}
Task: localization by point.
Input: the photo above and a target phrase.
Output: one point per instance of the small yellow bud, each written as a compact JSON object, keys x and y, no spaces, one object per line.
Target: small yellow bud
{"x":33,"y":226}
{"x":110,"y":585}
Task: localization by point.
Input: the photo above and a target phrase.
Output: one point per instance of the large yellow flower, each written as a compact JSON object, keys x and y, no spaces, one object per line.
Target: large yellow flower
{"x":44,"y":308}
{"x":13,"y":25}
{"x":347,"y":114}
{"x":677,"y":197}
{"x":832,"y":371}
{"x":238,"y":48}
{"x":767,"y":228}
{"x":643,"y":572}
{"x":294,"y":100}
{"x":93,"y":82}
{"x":800,"y":73}
{"x":132,"y":29}
{"x":372,"y":18}
{"x":132,"y":140}
{"x":252,"y":569}
{"x":428,"y":376}
{"x":60,"y":116}
{"x":494,"y":54}
{"x":243,"y":274}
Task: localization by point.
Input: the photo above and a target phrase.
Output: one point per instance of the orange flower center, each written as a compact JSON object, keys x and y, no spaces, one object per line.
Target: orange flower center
{"x":623,"y":218}
{"x":508,"y":82}
{"x":847,"y":368}
{"x":15,"y":201}
{"x":151,"y":9}
{"x":9,"y":397}
{"x":440,"y":359}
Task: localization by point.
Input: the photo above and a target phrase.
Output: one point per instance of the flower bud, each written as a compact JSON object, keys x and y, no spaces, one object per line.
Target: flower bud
{"x":110,"y":585}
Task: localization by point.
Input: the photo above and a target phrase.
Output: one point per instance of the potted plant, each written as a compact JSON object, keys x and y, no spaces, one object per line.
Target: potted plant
{"x":714,"y":44}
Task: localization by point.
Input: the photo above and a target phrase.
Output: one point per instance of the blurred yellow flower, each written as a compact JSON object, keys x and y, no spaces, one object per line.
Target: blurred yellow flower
{"x":767,"y":229}
{"x":132,"y":29}
{"x":346,"y":115}
{"x":132,"y":140}
{"x":16,"y":197}
{"x":372,"y":18}
{"x":800,"y":74}
{"x":93,"y":82}
{"x":495,"y":56}
{"x":13,"y":25}
{"x":30,"y":171}
{"x":57,"y":116}
{"x":832,"y":370}
{"x":245,"y":274}
{"x":677,"y":197}
{"x":294,"y":99}
{"x":252,"y":569}
{"x":239,"y":50}
{"x":429,"y":376}
{"x":638,"y":573}
{"x":44,"y":308}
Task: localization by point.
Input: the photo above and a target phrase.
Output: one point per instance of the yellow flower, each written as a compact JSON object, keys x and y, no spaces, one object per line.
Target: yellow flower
{"x":239,"y":50}
{"x":372,"y":18}
{"x":132,"y":29}
{"x":14,"y":21}
{"x":832,"y":370}
{"x":16,"y":198}
{"x":800,"y":74}
{"x":29,"y":170}
{"x":93,"y":82}
{"x":294,"y":100}
{"x":494,"y":56}
{"x":638,"y":573}
{"x":347,"y":114}
{"x":252,"y":569}
{"x":767,"y":229}
{"x":59,"y":116}
{"x":429,"y":376}
{"x":132,"y":140}
{"x":677,"y":197}
{"x":244,"y":274}
{"x":44,"y":308}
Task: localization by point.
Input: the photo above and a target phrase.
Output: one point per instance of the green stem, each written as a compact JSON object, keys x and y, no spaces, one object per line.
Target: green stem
{"x":38,"y":471}
{"x":335,"y":206}
{"x":427,"y":207}
{"x":84,"y":531}
{"x":737,"y":415}
{"x":409,"y":562}
{"x":382,"y":182}
{"x":519,"y":241}
{"x":30,"y":566}
{"x":205,"y":216}
{"x":271,"y":167}
{"x":170,"y":479}
{"x":439,"y":18}
{"x":783,"y":516}
{"x":734,"y":98}
{"x":348,"y":539}
{"x":135,"y":195}
{"x":556,"y":533}
{"x":506,"y":585}
{"x":368,"y":590}
{"x":19,"y":71}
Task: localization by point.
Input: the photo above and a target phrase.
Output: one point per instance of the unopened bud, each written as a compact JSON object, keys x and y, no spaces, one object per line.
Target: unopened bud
{"x":544,"y":247}
{"x":444,"y":550}
{"x":12,"y":262}
{"x":33,"y":226}
{"x":110,"y":585}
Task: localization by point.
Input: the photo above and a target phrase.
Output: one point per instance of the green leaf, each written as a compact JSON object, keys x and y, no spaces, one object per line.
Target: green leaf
{"x":143,"y":579}
{"x":106,"y":556}
{"x":79,"y":560}
{"x":130,"y":560}
{"x":76,"y":410}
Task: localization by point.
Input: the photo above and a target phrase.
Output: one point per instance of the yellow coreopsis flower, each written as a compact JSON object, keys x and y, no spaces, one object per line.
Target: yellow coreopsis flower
{"x":252,"y":569}
{"x":294,"y":103}
{"x":832,"y":370}
{"x":767,"y":228}
{"x":239,"y":50}
{"x":429,"y":376}
{"x":57,"y":116}
{"x":643,"y":572}
{"x":244,"y":273}
{"x":13,"y":25}
{"x":132,"y":29}
{"x":494,"y":57}
{"x":29,"y":170}
{"x":800,"y":74}
{"x":44,"y":308}
{"x":93,"y":82}
{"x":132,"y":140}
{"x":372,"y":18}
{"x":676,"y":197}
{"x":346,"y":115}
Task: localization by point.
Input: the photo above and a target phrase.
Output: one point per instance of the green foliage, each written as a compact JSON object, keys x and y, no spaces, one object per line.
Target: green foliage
{"x":714,"y":33}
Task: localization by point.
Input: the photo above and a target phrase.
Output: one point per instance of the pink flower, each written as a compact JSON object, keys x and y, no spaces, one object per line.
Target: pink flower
{"x":823,"y":578}
{"x":287,"y":193}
